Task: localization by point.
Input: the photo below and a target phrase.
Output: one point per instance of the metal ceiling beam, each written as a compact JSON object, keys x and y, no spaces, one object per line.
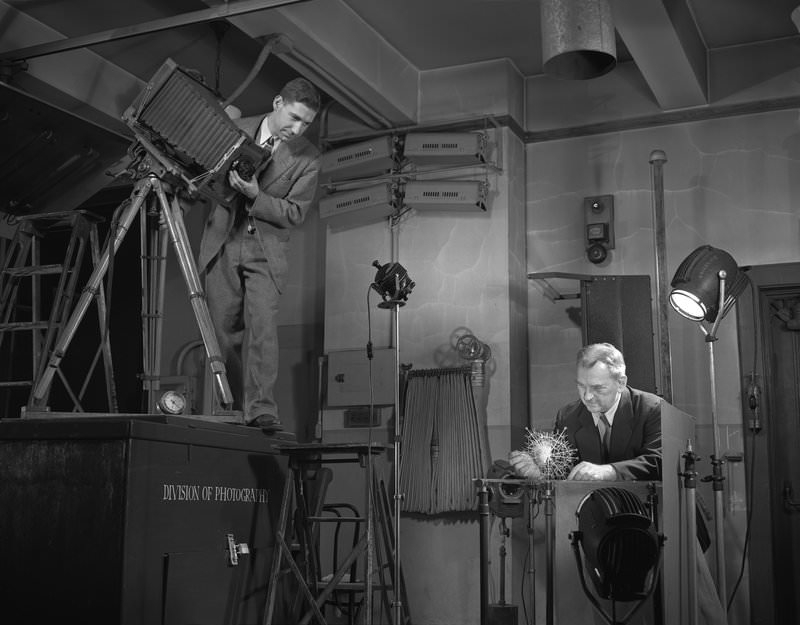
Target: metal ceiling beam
{"x":115,"y":34}
{"x":666,"y":46}
{"x":331,"y":45}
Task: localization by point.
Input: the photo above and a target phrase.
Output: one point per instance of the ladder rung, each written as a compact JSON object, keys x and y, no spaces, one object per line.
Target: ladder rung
{"x":24,"y":325}
{"x":34,"y":270}
{"x":10,"y":383}
{"x":336,"y":519}
{"x":353,"y":586}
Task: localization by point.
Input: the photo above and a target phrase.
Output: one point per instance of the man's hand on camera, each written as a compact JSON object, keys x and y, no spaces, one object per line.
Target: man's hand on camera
{"x":248,"y":188}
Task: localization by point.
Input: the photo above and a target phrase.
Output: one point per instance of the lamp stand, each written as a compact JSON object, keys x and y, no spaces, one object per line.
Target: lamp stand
{"x":394,"y":285}
{"x":533,"y":499}
{"x":690,"y":485}
{"x":716,"y":476}
{"x":549,"y":549}
{"x":693,"y":291}
{"x":717,"y":479}
{"x":398,"y":496}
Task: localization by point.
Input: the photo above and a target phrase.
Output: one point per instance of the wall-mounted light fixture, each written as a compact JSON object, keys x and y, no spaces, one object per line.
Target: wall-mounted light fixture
{"x":598,"y":214}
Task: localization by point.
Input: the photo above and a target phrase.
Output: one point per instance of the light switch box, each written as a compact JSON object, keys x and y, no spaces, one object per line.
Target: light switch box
{"x":349,"y":377}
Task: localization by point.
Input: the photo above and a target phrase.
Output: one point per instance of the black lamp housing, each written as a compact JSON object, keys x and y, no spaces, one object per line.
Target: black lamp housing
{"x":393,"y":284}
{"x":620,"y":544}
{"x":696,"y":285}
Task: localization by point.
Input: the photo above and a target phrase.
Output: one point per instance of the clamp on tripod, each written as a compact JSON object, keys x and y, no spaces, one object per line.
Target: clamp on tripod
{"x":150,"y":175}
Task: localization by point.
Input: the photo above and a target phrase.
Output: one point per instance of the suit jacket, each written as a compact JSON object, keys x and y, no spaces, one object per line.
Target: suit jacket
{"x":289,"y":186}
{"x":635,"y":444}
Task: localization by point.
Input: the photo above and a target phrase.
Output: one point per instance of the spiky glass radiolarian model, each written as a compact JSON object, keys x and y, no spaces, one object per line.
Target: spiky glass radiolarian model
{"x":551,"y":452}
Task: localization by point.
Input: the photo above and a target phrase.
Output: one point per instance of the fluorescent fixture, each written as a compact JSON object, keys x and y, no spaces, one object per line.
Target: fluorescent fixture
{"x":357,"y":207}
{"x":445,"y":148}
{"x":368,"y":158}
{"x":446,"y":195}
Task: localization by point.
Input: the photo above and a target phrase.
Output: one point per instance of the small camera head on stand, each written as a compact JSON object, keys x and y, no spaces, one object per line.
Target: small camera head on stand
{"x":393,"y":284}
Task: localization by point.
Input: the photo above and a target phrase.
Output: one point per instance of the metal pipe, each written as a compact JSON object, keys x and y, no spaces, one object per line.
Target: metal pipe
{"x":483,"y":516}
{"x":398,"y":599}
{"x":532,"y":498}
{"x":549,"y":550}
{"x":690,"y":485}
{"x":717,"y":484}
{"x":657,"y":160}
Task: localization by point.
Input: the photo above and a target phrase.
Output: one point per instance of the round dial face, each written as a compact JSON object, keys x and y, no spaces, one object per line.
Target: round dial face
{"x":172,"y":402}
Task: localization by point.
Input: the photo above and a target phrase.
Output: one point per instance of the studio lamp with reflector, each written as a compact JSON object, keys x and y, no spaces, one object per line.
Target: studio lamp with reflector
{"x":706,"y":282}
{"x":393,"y":284}
{"x":704,"y":288}
{"x":621,"y":547}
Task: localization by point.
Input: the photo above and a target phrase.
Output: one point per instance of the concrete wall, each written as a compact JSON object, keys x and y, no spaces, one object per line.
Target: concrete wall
{"x":730,"y":183}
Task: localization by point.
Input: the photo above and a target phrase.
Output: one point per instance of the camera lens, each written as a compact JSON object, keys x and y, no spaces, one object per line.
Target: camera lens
{"x":244,"y":167}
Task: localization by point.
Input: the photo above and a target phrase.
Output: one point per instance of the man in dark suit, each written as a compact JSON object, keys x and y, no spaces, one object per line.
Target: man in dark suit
{"x":632,"y":449}
{"x":632,"y":426}
{"x":243,"y":249}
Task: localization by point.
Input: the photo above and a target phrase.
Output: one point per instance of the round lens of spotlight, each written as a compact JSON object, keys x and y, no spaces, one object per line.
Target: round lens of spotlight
{"x":687,"y":304}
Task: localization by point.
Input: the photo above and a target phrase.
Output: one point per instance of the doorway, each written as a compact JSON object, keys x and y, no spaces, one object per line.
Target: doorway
{"x":769,"y":353}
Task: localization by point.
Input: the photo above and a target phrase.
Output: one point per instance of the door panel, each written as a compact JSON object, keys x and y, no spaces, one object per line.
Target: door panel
{"x":769,"y":352}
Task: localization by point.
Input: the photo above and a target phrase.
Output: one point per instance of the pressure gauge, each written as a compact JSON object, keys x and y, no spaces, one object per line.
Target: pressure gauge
{"x":171,"y":402}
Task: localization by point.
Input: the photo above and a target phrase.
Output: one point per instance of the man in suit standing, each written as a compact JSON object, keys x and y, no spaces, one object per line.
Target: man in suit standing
{"x":243,"y":249}
{"x":615,"y":429}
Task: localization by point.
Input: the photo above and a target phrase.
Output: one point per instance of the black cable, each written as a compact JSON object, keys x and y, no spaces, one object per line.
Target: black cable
{"x":537,"y":509}
{"x":750,"y":475}
{"x":745,"y":547}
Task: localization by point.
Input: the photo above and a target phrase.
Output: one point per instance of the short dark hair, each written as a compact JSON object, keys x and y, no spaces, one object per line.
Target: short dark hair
{"x":590,"y":355}
{"x":302,"y":91}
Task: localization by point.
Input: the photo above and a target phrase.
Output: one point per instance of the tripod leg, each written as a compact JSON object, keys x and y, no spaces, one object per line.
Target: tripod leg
{"x":40,"y":391}
{"x":102,"y":312}
{"x":154,"y":243}
{"x":180,"y":240}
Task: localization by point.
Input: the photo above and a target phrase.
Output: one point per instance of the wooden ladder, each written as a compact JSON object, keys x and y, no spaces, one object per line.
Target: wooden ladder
{"x":21,"y":305}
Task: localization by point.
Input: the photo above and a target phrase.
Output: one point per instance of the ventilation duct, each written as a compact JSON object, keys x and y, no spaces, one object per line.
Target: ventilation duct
{"x":578,"y":40}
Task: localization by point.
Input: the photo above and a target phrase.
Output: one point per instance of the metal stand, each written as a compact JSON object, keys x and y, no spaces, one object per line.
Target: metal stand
{"x":716,"y":478}
{"x":312,"y":590}
{"x":394,"y":285}
{"x":484,"y":520}
{"x":549,"y":549}
{"x":690,"y":485}
{"x":501,"y":611}
{"x":533,"y":499}
{"x":395,"y":305}
{"x":171,"y":214}
{"x":716,"y":461}
{"x":658,"y":591}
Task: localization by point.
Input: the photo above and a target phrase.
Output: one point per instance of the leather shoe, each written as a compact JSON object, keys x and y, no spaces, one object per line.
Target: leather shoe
{"x":266,"y":422}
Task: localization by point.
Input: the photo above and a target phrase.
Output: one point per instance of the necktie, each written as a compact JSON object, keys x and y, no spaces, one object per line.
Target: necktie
{"x":269,"y":144}
{"x":605,"y":432}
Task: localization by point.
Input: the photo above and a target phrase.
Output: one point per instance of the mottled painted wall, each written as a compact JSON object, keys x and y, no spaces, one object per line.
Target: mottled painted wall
{"x":731,"y":183}
{"x":469,"y":270}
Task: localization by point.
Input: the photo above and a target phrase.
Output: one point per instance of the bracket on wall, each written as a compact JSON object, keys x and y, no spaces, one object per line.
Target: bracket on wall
{"x":551,"y":292}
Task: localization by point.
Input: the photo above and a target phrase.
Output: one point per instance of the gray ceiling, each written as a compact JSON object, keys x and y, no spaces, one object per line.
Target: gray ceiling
{"x":690,"y":54}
